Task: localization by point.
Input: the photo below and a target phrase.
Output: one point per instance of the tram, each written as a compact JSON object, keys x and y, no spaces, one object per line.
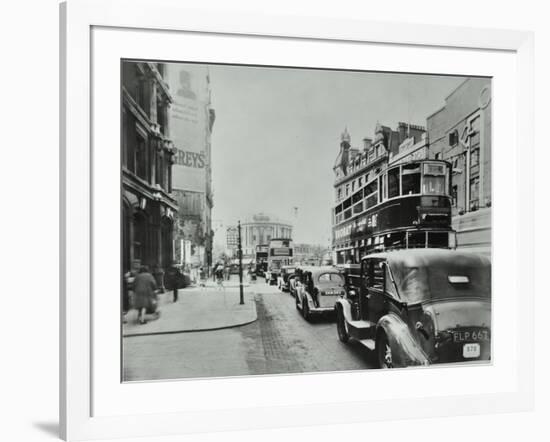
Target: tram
{"x":404,"y":206}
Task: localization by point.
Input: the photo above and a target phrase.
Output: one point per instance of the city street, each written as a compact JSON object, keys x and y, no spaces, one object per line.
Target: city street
{"x":279,"y":341}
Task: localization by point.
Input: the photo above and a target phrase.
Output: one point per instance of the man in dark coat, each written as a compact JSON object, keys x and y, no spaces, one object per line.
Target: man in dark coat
{"x":144,"y":292}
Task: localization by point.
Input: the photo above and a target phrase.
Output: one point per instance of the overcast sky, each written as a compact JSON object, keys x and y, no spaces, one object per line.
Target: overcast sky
{"x":277,"y":134}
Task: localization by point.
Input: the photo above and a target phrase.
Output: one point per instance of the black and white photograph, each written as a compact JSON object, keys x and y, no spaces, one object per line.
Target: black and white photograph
{"x":285,"y":220}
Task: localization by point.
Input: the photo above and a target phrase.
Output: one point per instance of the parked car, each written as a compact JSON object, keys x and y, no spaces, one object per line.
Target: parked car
{"x":420,"y":307}
{"x":282,"y":280}
{"x":318,"y":290}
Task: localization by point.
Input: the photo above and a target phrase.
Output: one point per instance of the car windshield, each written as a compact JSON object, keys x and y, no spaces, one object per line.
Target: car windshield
{"x":443,"y":280}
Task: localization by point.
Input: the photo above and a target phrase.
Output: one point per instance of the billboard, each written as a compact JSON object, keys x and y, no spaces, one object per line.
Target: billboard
{"x":188,"y":122}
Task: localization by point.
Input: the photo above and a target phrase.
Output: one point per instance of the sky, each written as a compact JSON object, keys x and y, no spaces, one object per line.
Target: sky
{"x":277,"y":134}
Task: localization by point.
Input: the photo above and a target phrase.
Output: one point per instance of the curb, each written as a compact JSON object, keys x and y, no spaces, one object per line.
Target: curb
{"x":173,"y":332}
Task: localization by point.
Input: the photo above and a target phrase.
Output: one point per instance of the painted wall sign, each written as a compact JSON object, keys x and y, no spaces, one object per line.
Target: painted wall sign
{"x":188,"y":121}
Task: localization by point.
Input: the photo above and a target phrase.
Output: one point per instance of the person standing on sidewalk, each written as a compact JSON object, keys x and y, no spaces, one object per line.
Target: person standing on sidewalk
{"x":173,"y":280}
{"x":144,"y":292}
{"x":219,"y":277}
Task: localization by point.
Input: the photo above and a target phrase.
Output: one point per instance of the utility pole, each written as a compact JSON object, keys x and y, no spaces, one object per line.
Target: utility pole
{"x":240,"y":255}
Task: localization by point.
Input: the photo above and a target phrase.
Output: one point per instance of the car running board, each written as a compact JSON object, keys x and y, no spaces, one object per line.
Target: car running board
{"x":369,"y":343}
{"x":361,"y":324}
{"x":361,"y":330}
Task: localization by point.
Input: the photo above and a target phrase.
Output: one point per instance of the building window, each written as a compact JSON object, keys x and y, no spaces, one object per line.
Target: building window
{"x":339,"y":193}
{"x":347,"y":189}
{"x":474,"y":157}
{"x":360,"y":182}
{"x":353,"y":186}
{"x":454,"y":195}
{"x":141,"y":157}
{"x":474,"y":193}
{"x":438,"y":155}
{"x":453,"y":138}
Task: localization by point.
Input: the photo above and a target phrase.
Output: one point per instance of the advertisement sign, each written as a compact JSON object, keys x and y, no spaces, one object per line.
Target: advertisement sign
{"x":281,"y":251}
{"x":188,"y":125}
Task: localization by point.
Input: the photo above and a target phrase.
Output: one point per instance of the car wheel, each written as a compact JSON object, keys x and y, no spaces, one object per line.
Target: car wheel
{"x":343,"y":334}
{"x":305,"y":309}
{"x":383,"y":351}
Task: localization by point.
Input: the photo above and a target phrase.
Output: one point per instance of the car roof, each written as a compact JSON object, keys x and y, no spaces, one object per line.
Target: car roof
{"x":427,"y":257}
{"x":316,"y":270}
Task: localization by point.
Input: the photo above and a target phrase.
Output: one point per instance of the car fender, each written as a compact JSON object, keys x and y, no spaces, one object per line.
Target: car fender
{"x":345,"y":305}
{"x":406,"y":350}
{"x":309,"y":299}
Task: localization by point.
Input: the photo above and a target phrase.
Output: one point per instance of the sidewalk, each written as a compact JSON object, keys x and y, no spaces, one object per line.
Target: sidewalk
{"x":197,"y":309}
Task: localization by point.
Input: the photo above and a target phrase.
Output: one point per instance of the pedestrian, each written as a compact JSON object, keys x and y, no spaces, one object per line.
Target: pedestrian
{"x":144,"y":293}
{"x":202,"y":278}
{"x":226,"y":272}
{"x":219,"y":277}
{"x":125,"y":295}
{"x":173,"y":280}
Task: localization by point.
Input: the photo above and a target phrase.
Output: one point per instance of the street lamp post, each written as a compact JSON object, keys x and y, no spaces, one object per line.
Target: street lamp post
{"x":240,"y":255}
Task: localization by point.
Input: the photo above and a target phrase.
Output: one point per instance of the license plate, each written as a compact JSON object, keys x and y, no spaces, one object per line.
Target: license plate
{"x":471,"y":350}
{"x":470,"y":335}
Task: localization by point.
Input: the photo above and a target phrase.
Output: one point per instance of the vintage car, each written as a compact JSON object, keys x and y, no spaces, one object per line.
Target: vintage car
{"x":282,"y":280}
{"x":420,"y":307}
{"x":318,"y":290}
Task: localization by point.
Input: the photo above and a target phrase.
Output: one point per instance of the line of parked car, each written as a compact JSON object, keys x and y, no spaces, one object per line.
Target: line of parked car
{"x":411,"y":307}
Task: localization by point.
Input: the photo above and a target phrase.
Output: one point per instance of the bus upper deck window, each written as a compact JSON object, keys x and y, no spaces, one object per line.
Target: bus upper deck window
{"x":411,"y":179}
{"x":434,"y":179}
{"x":393,"y":182}
{"x":433,"y":185}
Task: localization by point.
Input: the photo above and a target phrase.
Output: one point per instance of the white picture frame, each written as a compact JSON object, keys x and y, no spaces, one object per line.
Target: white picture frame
{"x":80,"y":378}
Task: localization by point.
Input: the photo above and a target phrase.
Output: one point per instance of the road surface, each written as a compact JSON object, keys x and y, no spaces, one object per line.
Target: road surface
{"x":280,"y":341}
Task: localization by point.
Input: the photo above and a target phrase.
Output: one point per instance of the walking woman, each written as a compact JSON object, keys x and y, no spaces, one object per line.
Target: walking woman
{"x":144,"y":292}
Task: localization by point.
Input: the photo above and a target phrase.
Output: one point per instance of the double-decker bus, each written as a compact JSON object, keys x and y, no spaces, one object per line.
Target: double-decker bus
{"x":261,"y":259}
{"x":407,"y":205}
{"x":280,"y":253}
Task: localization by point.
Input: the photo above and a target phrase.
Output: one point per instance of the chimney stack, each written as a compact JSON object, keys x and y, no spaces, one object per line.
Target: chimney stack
{"x":367,"y":144}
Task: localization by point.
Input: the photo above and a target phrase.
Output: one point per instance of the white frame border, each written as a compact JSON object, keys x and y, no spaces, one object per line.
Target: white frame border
{"x":77,"y":17}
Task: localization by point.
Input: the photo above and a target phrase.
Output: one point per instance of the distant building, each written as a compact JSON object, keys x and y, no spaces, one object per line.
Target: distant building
{"x":309,"y":254}
{"x":259,"y":229}
{"x":191,"y":120}
{"x":148,"y":209}
{"x":460,"y":132}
